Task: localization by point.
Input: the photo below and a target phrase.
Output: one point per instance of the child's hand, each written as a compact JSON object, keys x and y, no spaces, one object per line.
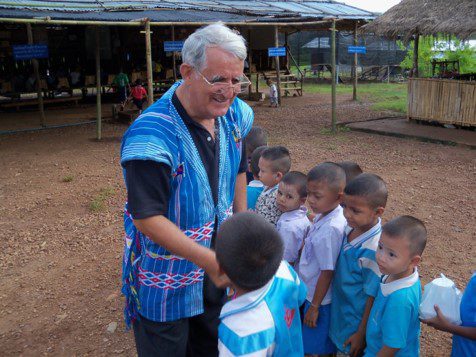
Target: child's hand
{"x":439,"y":322}
{"x":310,"y":319}
{"x":357,"y":343}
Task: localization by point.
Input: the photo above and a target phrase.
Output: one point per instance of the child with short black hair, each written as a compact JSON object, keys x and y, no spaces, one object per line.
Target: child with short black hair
{"x":263,"y":319}
{"x":293,"y":224}
{"x":255,"y":187}
{"x":257,"y":137}
{"x":352,"y":169}
{"x":393,"y":325}
{"x":138,"y":95}
{"x":273,"y":164}
{"x":357,"y":276}
{"x":325,"y":185}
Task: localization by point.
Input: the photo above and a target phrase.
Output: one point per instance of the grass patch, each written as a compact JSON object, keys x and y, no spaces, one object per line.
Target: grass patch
{"x":67,"y":178}
{"x":339,"y":130}
{"x":98,"y":202}
{"x":383,"y":96}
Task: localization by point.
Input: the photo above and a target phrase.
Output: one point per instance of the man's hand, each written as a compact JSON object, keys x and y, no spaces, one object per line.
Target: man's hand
{"x":440,"y":322}
{"x":357,"y":344}
{"x":310,"y":319}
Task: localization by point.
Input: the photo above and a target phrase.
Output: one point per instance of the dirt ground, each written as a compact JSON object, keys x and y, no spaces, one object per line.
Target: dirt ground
{"x":61,"y":220}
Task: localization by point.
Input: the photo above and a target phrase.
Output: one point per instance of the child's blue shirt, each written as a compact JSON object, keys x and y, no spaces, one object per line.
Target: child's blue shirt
{"x":265,"y":322}
{"x":463,"y":346}
{"x":356,"y":278}
{"x":253,"y":190}
{"x":393,"y":321}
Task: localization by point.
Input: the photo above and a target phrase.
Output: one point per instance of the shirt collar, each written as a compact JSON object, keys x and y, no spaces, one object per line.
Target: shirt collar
{"x":319,"y":220}
{"x":268,"y":189}
{"x":389,"y":288}
{"x":372,"y":232}
{"x":255,"y":183}
{"x":294,"y":214}
{"x":246,"y":301}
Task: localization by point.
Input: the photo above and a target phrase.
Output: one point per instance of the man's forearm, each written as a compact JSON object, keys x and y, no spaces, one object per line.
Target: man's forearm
{"x":239,"y":201}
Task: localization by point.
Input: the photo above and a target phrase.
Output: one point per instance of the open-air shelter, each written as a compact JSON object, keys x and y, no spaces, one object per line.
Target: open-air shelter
{"x":260,"y":22}
{"x":447,"y":101}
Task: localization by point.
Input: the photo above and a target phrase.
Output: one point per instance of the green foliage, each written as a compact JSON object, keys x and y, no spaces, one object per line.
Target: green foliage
{"x":430,"y":46}
{"x":98,"y":202}
{"x":67,"y":178}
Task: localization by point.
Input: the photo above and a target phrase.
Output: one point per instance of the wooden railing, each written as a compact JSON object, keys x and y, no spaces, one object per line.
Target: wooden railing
{"x":446,"y":101}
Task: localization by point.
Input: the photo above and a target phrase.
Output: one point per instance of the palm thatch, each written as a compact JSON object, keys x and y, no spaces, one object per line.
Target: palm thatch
{"x":426,"y":17}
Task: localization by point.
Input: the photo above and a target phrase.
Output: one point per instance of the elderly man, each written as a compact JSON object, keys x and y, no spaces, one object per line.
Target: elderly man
{"x":185,"y":171}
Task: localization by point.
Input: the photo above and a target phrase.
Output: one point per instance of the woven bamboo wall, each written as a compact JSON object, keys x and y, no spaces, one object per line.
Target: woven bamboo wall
{"x":443,"y":100}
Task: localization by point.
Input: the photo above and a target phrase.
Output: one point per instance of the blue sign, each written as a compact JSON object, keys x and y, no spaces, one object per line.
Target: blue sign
{"x":26,"y":52}
{"x":173,"y":46}
{"x":356,"y":49}
{"x":276,"y":51}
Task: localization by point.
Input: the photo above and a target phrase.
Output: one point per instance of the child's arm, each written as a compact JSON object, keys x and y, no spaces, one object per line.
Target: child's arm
{"x":357,"y":340}
{"x":322,"y":285}
{"x":386,"y":351}
{"x":440,"y":322}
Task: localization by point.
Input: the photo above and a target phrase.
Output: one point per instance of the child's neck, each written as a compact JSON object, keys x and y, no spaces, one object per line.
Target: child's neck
{"x":404,"y":274}
{"x":239,"y":292}
{"x":358,"y":231}
{"x":323,"y":214}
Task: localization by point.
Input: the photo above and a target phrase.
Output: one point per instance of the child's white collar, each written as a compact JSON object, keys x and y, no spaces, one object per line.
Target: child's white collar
{"x":389,"y":288}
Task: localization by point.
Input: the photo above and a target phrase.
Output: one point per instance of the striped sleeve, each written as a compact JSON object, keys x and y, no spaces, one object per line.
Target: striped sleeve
{"x":253,"y":345}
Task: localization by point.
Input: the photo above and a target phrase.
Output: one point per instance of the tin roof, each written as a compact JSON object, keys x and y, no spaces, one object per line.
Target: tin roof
{"x":184,"y":10}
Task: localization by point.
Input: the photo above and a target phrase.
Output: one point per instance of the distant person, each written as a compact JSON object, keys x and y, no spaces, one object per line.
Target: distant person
{"x":138,"y":95}
{"x":255,"y":187}
{"x":393,"y":327}
{"x":257,"y":137}
{"x":293,"y":224}
{"x":121,"y":82}
{"x":273,"y":164}
{"x":273,"y":94}
{"x":75,"y":77}
{"x":352,"y":169}
{"x":325,"y":186}
{"x":263,"y":318}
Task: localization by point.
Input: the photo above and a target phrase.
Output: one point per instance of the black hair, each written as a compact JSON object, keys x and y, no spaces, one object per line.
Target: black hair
{"x":352,"y":169}
{"x":256,"y":137}
{"x":369,"y":186}
{"x":328,"y":172}
{"x":255,"y":160}
{"x":409,"y":228}
{"x":279,"y":158}
{"x":138,"y":82}
{"x":249,"y":249}
{"x":297,"y":179}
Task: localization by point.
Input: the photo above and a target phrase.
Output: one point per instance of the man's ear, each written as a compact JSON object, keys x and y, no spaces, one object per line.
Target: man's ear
{"x":379,"y":211}
{"x":186,"y":71}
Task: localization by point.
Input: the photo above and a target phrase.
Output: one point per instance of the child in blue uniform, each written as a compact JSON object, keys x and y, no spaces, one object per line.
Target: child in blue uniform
{"x":357,"y":276}
{"x":325,"y":185}
{"x":393,"y":328}
{"x":464,"y":335}
{"x":255,"y":186}
{"x":263,"y":319}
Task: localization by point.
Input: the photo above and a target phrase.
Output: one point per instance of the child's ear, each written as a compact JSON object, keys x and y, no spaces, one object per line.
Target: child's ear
{"x":415,"y":261}
{"x":279,"y":175}
{"x":340,"y":196}
{"x":303,"y":200}
{"x":379,"y":211}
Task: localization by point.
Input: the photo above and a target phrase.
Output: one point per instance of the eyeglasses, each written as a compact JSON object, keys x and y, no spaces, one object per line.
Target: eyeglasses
{"x":219,"y":87}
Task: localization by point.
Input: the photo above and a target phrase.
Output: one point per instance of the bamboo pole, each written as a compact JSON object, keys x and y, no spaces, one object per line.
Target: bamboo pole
{"x":415,"y":56}
{"x":34,"y":61}
{"x":148,"y":56}
{"x":174,"y":58}
{"x":98,"y":83}
{"x":276,"y":61}
{"x":250,"y":88}
{"x":333,"y":65}
{"x":354,"y":87}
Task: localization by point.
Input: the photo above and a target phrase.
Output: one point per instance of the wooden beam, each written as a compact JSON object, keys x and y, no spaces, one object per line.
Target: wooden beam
{"x":174,"y":58}
{"x":415,"y":56}
{"x":354,"y":87}
{"x":148,"y":56}
{"x":333,"y":65}
{"x":98,"y":84}
{"x":276,"y":61}
{"x":36,"y":70}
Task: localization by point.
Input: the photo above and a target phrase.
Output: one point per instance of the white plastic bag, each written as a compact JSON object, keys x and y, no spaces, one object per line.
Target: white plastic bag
{"x":442,"y":292}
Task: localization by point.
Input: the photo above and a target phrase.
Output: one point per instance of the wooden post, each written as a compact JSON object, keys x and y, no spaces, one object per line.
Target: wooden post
{"x":388,"y":73}
{"x":354,"y":89}
{"x":414,"y":73}
{"x":148,"y":56}
{"x":276,"y":59}
{"x":98,"y":83}
{"x":333,"y":65}
{"x":287,"y":52}
{"x":174,"y":59}
{"x":250,"y":89}
{"x":34,"y":61}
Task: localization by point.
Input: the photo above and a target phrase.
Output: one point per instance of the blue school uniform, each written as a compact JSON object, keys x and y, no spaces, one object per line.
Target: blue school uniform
{"x":253,"y":190}
{"x":393,"y":321}
{"x":265,"y":322}
{"x":356,"y":278}
{"x":463,"y":346}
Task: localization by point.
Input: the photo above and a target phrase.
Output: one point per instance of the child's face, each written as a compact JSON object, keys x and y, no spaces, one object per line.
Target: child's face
{"x":266,"y":173}
{"x":394,"y":256}
{"x":321,"y":198}
{"x":288,"y":198}
{"x":358,"y":212}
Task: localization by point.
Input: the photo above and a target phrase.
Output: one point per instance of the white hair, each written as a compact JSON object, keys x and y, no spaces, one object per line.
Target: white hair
{"x":214,"y":35}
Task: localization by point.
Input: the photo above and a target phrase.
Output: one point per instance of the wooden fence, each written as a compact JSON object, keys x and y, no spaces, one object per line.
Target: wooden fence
{"x":446,"y":101}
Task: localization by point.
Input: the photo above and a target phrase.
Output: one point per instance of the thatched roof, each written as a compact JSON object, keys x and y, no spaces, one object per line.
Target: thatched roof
{"x":426,"y":17}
